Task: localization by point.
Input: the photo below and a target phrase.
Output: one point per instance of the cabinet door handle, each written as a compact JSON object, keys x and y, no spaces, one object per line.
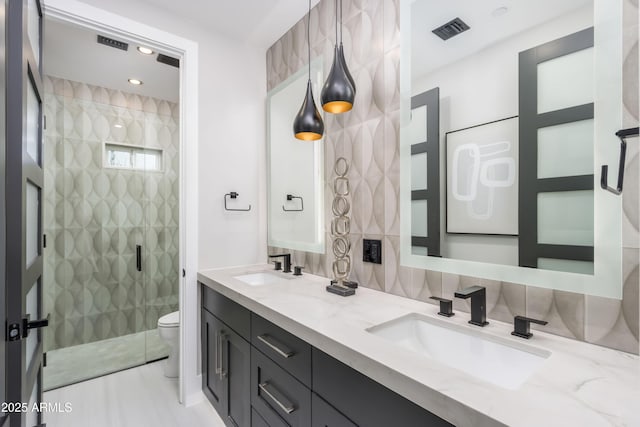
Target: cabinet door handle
{"x":218,"y":353}
{"x":279,"y":399}
{"x":224,"y":341}
{"x":276,"y":346}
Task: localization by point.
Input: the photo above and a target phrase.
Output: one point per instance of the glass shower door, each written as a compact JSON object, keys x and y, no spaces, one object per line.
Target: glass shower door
{"x":161,"y":228}
{"x":94,"y":219}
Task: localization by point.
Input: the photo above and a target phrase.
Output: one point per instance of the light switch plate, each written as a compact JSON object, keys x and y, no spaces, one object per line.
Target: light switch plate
{"x":372,"y":251}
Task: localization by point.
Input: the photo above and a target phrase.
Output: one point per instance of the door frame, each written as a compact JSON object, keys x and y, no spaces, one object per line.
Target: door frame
{"x":22,"y":168}
{"x":4,"y":418}
{"x":78,"y":13}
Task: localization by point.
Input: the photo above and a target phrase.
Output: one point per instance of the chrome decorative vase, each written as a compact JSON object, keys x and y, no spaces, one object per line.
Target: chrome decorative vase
{"x":340,"y":228}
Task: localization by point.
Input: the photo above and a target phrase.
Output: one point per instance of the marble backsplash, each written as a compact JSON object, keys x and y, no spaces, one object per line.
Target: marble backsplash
{"x":369,"y":137}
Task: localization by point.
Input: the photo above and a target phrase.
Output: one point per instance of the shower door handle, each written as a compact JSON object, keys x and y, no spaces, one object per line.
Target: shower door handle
{"x":138,"y":257}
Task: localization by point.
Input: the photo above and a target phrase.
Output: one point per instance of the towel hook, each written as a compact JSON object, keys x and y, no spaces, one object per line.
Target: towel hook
{"x":291,"y":197}
{"x":622,"y":134}
{"x":233,"y":195}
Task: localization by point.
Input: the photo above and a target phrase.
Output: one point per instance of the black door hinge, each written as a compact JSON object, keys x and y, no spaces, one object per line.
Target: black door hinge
{"x":44,"y":241}
{"x":44,"y":359}
{"x":184,"y":273}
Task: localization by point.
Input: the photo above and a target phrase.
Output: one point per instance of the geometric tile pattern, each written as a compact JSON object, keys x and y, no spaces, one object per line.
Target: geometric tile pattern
{"x":368,"y":136}
{"x":94,"y":217}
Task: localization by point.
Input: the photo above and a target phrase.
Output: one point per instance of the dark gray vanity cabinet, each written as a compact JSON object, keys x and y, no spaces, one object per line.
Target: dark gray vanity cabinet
{"x":257,"y":374}
{"x":278,"y":396}
{"x":236,"y":365}
{"x":212,"y":384}
{"x":280,"y":375}
{"x":325,"y":415}
{"x":355,"y":395}
{"x":288,"y":351}
{"x":226,"y":359}
{"x":257,"y":420}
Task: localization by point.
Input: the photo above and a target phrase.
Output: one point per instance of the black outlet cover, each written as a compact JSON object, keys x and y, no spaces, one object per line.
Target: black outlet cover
{"x":372,"y":251}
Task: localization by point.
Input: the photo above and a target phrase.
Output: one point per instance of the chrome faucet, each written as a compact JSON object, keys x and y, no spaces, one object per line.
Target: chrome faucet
{"x":287,"y":261}
{"x":478,"y":295}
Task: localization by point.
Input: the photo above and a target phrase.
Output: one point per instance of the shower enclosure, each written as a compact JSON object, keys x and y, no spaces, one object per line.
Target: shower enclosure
{"x":110,"y":217}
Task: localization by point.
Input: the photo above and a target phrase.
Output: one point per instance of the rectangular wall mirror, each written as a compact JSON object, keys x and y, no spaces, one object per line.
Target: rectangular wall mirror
{"x":295,"y":169}
{"x":508,"y":111}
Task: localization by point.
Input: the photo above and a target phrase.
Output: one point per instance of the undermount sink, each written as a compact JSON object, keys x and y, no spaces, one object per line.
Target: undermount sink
{"x":499,"y":361}
{"x":259,"y":279}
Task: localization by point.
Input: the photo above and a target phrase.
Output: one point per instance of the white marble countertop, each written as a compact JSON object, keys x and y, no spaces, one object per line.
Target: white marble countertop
{"x":578,"y":385}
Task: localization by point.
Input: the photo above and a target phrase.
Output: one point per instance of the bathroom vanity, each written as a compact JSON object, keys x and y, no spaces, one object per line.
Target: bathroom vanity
{"x":264,"y":376}
{"x":279,"y":350}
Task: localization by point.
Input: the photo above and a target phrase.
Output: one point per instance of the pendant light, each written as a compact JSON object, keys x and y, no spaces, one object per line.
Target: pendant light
{"x":308,"y":125}
{"x":339,"y":90}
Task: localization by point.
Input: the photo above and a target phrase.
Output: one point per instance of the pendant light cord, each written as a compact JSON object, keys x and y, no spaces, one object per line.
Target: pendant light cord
{"x":309,"y":38}
{"x":340,"y":22}
{"x":336,"y":22}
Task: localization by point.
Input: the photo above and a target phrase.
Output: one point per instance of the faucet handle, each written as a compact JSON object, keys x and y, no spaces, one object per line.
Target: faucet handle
{"x":297,"y":270}
{"x":446,"y":306}
{"x":277,"y":265}
{"x":521,"y":326}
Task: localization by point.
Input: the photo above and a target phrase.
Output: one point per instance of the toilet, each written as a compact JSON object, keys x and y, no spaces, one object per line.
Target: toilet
{"x":169,"y":331}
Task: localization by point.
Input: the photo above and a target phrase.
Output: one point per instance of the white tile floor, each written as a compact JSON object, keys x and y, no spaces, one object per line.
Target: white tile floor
{"x":137,"y":397}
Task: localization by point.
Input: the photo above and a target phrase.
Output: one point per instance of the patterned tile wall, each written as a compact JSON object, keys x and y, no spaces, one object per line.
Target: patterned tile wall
{"x":369,"y":137}
{"x":94,"y":216}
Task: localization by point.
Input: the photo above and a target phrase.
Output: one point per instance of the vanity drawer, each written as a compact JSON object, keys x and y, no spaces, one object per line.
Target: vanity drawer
{"x":288,"y":351}
{"x":365,"y":401}
{"x":257,"y":420}
{"x":325,"y":415}
{"x":233,"y":314}
{"x":277,"y":396}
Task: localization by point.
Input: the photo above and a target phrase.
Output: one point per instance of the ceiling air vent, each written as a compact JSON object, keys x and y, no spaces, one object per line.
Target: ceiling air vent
{"x":450,"y":29}
{"x":174,"y":62}
{"x":113,"y":43}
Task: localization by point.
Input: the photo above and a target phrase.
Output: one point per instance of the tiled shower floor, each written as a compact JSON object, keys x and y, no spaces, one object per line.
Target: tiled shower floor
{"x":81,"y":362}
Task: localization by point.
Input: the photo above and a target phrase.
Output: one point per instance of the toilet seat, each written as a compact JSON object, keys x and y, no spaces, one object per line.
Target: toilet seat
{"x":171,"y":320}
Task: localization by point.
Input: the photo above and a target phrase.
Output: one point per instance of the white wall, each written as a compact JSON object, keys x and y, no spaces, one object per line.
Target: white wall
{"x":488,"y":93}
{"x":230,"y":85}
{"x":232,"y":79}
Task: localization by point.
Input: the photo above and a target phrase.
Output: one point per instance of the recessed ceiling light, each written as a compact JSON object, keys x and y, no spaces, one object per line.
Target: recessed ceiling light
{"x":499,"y":11}
{"x":117,"y":126}
{"x":145,"y":50}
{"x":135,"y":82}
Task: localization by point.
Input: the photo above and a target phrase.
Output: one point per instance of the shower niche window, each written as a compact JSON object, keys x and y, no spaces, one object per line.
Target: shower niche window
{"x":132,"y":157}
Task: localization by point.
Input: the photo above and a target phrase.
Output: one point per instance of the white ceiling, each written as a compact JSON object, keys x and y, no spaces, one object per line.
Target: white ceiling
{"x":257,"y":22}
{"x":72,"y":52}
{"x":433,"y":52}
